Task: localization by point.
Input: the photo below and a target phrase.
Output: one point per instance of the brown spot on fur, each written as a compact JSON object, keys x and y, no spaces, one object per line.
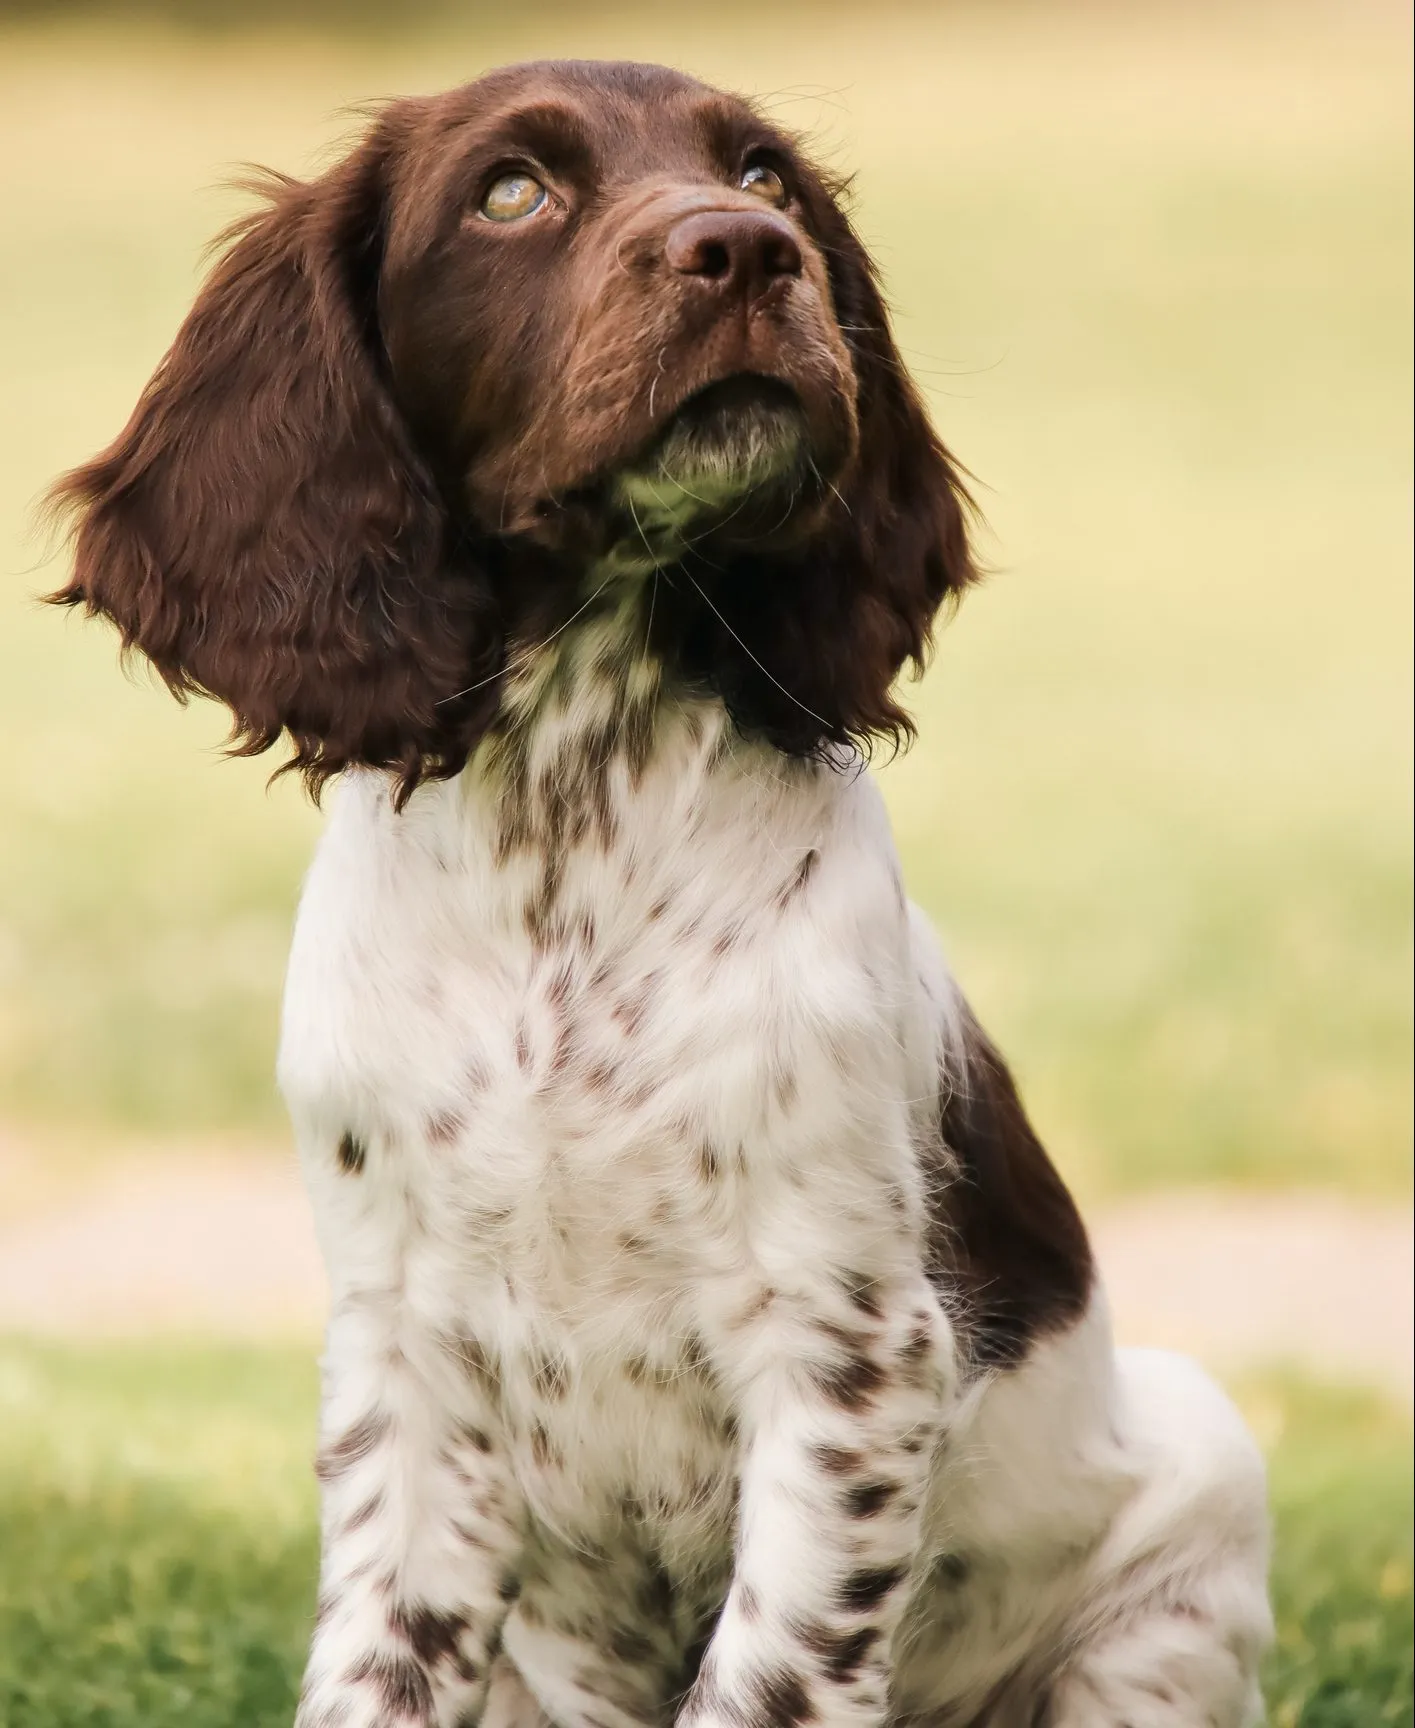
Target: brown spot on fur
{"x":544,"y":1450}
{"x":475,"y":1359}
{"x":869,"y":1499}
{"x":399,"y":1683}
{"x":433,"y":1634}
{"x":636,"y":737}
{"x":726,"y":940}
{"x":630,"y":1010}
{"x":841,"y":1653}
{"x":552,"y":1377}
{"x":601,"y":1076}
{"x":758,"y":1306}
{"x":849,"y":1382}
{"x":799,"y":877}
{"x":351,"y":1155}
{"x":364,"y":1514}
{"x":784,"y":1085}
{"x":779,"y":1698}
{"x":631,"y":1645}
{"x":914,"y":1356}
{"x":1003,"y":1230}
{"x":560,"y":985}
{"x":444,"y":1128}
{"x":838,"y":1460}
{"x":352,"y":1446}
{"x":656,"y":1592}
{"x":693,"y":1357}
{"x":865,"y":1589}
{"x":863,"y":1293}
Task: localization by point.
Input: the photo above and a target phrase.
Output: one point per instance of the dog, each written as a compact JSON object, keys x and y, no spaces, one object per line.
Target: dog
{"x":712,"y":1341}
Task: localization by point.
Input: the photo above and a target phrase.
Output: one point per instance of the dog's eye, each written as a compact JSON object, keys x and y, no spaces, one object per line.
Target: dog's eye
{"x":512,"y":197}
{"x":764,"y":182}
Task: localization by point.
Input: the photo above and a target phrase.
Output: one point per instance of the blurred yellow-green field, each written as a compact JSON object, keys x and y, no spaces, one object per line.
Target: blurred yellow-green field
{"x":1152,"y":263}
{"x":1153,"y":266}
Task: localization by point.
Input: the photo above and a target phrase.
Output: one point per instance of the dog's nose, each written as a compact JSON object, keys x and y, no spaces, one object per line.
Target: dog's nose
{"x":742,"y":251}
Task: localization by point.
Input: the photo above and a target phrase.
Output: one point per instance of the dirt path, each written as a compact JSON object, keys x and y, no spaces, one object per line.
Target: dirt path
{"x":220,"y":1245}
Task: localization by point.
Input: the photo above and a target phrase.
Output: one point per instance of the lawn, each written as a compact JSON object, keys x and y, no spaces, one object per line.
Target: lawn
{"x":157,"y":1542}
{"x":1152,"y":265}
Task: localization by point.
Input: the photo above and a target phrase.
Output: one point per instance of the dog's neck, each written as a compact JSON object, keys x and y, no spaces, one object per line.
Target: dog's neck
{"x":584,"y":712}
{"x":596,"y":669}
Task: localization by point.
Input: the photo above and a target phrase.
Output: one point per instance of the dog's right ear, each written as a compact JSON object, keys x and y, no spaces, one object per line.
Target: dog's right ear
{"x":264,"y":529}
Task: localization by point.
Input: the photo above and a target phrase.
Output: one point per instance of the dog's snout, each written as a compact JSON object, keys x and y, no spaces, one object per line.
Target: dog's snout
{"x":742,"y":251}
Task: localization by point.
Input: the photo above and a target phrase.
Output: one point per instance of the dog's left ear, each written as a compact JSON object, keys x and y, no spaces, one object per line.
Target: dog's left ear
{"x":896,"y":542}
{"x":827,"y":631}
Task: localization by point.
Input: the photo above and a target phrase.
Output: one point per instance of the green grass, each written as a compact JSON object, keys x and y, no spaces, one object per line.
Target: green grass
{"x":1153,"y":266}
{"x":1342,"y":1579}
{"x":157,"y":1542}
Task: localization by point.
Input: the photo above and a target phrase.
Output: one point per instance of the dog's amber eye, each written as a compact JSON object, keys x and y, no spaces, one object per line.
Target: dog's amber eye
{"x":764,"y":182}
{"x":513,"y":196}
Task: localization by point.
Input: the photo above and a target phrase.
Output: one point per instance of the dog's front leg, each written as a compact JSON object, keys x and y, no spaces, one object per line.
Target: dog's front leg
{"x":841,"y":1398}
{"x":421,"y":1528}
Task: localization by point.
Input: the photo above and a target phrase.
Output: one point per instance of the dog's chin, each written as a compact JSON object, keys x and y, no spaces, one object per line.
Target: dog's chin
{"x":733,"y":460}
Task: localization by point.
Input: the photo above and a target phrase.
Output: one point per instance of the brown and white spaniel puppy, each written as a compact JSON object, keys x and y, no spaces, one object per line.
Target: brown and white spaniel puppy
{"x":712,"y":1341}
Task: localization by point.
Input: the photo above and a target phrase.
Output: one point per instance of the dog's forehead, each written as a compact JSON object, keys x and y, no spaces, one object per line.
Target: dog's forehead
{"x":630,"y":116}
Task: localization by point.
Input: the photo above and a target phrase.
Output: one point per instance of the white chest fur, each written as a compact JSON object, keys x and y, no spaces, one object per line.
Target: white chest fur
{"x":577,"y":1122}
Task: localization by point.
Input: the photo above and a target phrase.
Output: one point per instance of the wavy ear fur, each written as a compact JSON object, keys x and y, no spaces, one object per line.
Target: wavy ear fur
{"x":263,"y":529}
{"x":806,"y":649}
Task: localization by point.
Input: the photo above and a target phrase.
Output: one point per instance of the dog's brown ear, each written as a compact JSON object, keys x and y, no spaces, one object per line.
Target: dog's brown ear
{"x":263,"y":529}
{"x":818,"y":638}
{"x":896,"y":545}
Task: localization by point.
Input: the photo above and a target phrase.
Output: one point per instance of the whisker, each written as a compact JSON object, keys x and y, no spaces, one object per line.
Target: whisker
{"x":524,"y":658}
{"x":818,"y":718}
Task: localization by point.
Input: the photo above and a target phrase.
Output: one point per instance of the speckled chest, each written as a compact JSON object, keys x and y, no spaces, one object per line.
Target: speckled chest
{"x":572,"y":1110}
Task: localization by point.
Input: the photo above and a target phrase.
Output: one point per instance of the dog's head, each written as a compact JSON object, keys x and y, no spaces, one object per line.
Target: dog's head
{"x":569,"y":319}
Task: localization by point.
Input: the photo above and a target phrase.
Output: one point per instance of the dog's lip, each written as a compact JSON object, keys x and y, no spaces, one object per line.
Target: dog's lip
{"x":737,"y":393}
{"x":712,"y":406}
{"x":700,"y":403}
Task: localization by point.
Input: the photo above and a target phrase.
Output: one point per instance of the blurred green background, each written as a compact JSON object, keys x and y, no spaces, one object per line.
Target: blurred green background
{"x":1152,"y":264}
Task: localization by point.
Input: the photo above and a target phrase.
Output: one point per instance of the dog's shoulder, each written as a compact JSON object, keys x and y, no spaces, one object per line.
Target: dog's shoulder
{"x":1006,"y":1244}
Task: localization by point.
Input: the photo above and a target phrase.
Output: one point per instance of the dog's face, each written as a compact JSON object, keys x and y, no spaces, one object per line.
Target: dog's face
{"x":571,"y":318}
{"x":607,"y":286}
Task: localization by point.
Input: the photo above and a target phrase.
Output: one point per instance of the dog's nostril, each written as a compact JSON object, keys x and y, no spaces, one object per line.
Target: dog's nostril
{"x":781,"y":256}
{"x":713,"y":259}
{"x":745,"y":249}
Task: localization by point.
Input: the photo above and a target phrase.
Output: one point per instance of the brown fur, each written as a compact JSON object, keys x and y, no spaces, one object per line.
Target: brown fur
{"x":1004,"y":1231}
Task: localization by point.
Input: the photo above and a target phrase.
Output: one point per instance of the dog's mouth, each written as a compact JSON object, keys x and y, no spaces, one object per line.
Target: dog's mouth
{"x":742,"y":428}
{"x":728,"y":442}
